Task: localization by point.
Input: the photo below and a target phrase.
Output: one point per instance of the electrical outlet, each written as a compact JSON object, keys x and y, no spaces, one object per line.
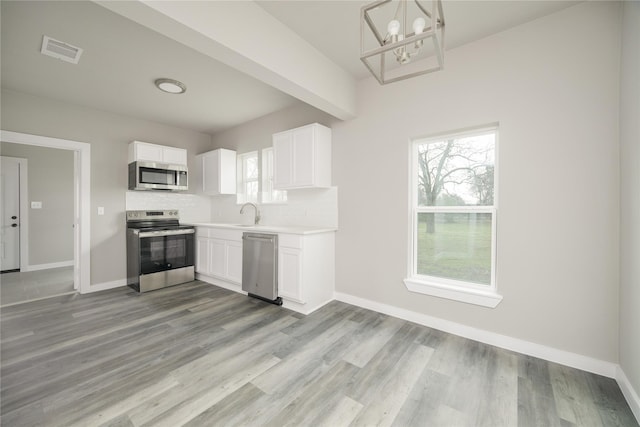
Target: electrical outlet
{"x":36,"y":205}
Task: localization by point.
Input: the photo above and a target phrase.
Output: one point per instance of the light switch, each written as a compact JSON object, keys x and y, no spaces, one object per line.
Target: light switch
{"x":100,"y":210}
{"x":36,"y":205}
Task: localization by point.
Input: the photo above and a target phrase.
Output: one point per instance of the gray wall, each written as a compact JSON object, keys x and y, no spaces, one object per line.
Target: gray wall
{"x":553,"y":85}
{"x":558,"y":208}
{"x":256,"y":134}
{"x":630,"y":195}
{"x":109,"y":135}
{"x":50,"y":181}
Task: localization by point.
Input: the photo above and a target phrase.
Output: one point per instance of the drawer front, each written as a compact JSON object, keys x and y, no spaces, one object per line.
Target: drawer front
{"x":290,"y":240}
{"x":219,"y":233}
{"x":202,"y":232}
{"x":225,"y":234}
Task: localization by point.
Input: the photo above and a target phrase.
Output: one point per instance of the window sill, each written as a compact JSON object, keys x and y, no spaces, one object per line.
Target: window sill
{"x":470,"y":296}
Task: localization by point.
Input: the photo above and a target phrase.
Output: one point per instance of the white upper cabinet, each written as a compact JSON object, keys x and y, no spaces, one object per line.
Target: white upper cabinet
{"x":174,"y":156}
{"x":302,"y":157}
{"x":216,"y":172}
{"x":147,"y":152}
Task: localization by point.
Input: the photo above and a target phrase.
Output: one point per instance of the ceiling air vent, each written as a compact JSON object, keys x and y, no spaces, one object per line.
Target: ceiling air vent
{"x":60,"y":50}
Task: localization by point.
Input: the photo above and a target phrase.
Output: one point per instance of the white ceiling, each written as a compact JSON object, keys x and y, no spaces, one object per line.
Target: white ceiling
{"x":121,"y":58}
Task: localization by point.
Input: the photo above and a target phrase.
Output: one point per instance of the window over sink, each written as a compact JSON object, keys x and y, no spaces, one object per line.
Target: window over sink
{"x":248,"y":177}
{"x":255,"y":183}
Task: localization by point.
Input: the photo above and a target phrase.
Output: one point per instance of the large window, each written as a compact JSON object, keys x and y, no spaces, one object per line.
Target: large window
{"x":453,"y":231}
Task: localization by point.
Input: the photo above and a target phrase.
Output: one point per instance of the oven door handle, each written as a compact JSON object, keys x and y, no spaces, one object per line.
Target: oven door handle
{"x":161,"y":233}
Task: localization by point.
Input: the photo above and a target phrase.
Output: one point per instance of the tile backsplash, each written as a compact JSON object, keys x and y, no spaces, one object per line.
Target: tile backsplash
{"x":306,"y":207}
{"x":192,"y":207}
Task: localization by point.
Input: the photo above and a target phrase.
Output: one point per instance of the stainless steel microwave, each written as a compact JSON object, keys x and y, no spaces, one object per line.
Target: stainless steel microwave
{"x":157,"y":176}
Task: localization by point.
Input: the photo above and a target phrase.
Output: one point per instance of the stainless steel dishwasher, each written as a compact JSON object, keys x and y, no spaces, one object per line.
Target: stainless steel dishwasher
{"x":260,"y":266}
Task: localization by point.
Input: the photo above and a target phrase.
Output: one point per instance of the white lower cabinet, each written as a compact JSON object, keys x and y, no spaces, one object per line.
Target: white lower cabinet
{"x":219,"y":254}
{"x":234,"y":260}
{"x":306,"y":270}
{"x":306,"y":265}
{"x":217,"y":258}
{"x":290,"y":274}
{"x":202,"y":252}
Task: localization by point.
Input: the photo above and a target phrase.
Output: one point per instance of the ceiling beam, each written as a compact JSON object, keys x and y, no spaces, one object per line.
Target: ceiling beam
{"x":244,"y":36}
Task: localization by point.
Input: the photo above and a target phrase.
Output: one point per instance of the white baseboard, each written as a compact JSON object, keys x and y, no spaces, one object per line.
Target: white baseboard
{"x":629,"y":392}
{"x":108,"y":285}
{"x":551,"y":354}
{"x":36,"y":267}
{"x":220,"y":283}
{"x":303,"y":308}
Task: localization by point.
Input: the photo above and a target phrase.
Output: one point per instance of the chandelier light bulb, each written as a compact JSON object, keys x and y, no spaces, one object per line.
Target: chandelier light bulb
{"x":418,"y":25}
{"x":394,"y":27}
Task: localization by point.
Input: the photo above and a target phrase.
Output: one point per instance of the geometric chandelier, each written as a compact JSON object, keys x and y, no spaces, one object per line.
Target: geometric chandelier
{"x":400,"y":39}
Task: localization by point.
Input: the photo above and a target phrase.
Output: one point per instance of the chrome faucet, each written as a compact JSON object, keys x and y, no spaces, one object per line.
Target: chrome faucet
{"x":256,"y":220}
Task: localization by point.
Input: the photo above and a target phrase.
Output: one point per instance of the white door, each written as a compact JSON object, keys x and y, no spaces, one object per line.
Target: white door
{"x":10,"y":211}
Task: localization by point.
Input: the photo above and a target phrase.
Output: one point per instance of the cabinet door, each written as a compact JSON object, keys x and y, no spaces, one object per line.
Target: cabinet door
{"x":282,"y":158}
{"x":202,"y":255}
{"x":234,"y":261}
{"x":290,"y":274}
{"x":148,"y":152}
{"x":227,"y":172}
{"x":210,"y":176}
{"x":217,"y":258}
{"x":303,"y":157}
{"x":175,"y":156}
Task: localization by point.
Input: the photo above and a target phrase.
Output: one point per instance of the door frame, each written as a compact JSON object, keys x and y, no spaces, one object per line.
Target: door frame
{"x":81,"y":197}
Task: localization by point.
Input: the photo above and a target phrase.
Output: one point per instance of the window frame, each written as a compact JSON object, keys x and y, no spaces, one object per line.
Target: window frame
{"x":241,"y":195}
{"x":265,"y":174}
{"x":458,"y":290}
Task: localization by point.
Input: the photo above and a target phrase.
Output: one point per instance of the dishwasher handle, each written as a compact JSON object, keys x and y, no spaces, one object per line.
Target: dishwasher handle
{"x":259,"y":237}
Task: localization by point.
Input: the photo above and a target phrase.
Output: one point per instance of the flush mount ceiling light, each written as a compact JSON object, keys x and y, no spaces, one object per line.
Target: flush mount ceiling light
{"x":170,"y":86}
{"x":399,"y":51}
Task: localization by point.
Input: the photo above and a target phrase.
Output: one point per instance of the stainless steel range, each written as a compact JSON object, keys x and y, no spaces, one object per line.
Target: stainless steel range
{"x":160,"y":251}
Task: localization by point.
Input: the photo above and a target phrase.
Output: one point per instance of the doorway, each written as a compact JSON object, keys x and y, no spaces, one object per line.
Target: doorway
{"x":37,"y":238}
{"x":80,"y":268}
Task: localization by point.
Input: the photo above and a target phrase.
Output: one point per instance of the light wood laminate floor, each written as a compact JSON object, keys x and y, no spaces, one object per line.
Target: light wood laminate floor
{"x":199,"y":355}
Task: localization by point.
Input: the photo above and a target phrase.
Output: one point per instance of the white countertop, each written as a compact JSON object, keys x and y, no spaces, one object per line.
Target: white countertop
{"x":268,"y":228}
